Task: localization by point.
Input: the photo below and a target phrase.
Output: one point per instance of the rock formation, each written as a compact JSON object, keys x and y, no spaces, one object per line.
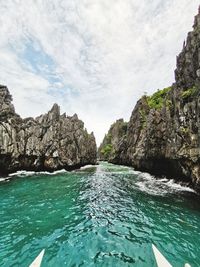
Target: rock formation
{"x":112,"y":140}
{"x":163,"y":134}
{"x":48,"y":142}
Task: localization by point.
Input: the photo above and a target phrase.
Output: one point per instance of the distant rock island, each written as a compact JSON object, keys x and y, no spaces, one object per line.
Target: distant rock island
{"x":163,"y":134}
{"x":49,"y":142}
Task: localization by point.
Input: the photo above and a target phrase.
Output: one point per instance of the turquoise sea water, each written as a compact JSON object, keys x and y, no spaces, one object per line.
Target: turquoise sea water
{"x":99,"y":216}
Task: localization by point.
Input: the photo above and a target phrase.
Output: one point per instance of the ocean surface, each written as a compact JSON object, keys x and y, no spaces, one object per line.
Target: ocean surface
{"x":104,"y":215}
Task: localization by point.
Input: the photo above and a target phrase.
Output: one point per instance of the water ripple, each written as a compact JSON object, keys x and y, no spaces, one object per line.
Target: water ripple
{"x":101,"y":215}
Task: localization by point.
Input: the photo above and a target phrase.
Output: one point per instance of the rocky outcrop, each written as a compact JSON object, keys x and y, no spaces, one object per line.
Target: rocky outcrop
{"x":48,"y":142}
{"x":112,"y":140}
{"x":163,"y":134}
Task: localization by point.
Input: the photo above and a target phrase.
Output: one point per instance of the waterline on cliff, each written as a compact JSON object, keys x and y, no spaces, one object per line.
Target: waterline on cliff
{"x":24,"y":173}
{"x":151,"y":184}
{"x":146,"y":182}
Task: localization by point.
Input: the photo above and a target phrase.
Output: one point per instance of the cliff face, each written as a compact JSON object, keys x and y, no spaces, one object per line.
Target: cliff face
{"x":163,"y":134}
{"x":48,"y":142}
{"x":112,"y":141}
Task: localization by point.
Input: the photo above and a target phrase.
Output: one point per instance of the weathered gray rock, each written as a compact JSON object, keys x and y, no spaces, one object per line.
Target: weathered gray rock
{"x":112,"y":140}
{"x":48,"y":142}
{"x":163,"y":134}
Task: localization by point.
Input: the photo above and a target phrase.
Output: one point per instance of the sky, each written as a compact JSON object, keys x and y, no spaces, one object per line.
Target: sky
{"x":95,"y":58}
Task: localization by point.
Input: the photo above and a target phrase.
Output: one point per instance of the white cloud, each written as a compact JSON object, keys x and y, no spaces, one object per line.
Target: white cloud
{"x":105,"y":54}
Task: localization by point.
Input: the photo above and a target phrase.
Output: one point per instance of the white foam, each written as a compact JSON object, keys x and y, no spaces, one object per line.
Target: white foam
{"x":31,"y":173}
{"x":4,"y":179}
{"x":87,"y":166}
{"x":178,"y":186}
{"x":52,"y":173}
{"x":151,"y":185}
{"x":22,"y":173}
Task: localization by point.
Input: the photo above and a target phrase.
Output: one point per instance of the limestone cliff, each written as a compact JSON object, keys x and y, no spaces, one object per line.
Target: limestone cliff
{"x":48,"y":142}
{"x":163,"y":134}
{"x":112,"y":140}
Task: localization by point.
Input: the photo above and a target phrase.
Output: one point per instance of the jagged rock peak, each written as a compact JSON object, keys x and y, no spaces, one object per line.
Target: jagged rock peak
{"x":55,"y":109}
{"x":54,"y":113}
{"x":197,"y":19}
{"x":48,"y":142}
{"x":187,"y":73}
{"x":5,"y":96}
{"x":75,"y":117}
{"x":6,"y":107}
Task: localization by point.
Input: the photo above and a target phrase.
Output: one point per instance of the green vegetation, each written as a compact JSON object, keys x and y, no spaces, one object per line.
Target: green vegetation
{"x":116,"y":132}
{"x":168,"y":103}
{"x":158,"y":99}
{"x":107,"y":150}
{"x":119,"y":127}
{"x":124,"y":127}
{"x":189,"y":92}
{"x":184,"y":130}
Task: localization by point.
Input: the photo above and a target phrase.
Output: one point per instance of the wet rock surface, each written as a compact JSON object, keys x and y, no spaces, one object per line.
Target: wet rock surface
{"x":48,"y":142}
